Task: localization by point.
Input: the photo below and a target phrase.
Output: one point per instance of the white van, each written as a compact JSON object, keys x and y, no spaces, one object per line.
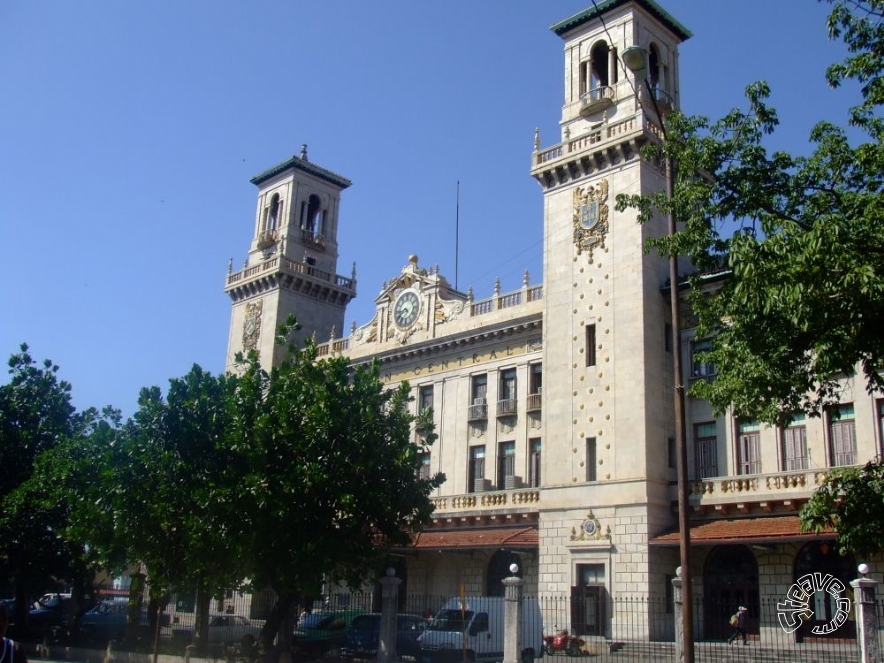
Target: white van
{"x":472,"y":630}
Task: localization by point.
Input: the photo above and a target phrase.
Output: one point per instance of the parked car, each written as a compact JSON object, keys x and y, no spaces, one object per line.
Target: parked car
{"x":363,"y":636}
{"x":49,"y":612}
{"x":10,"y":609}
{"x":109,"y":620}
{"x":106,"y":621}
{"x":225,"y":629}
{"x":318,"y":632}
{"x":233,"y":629}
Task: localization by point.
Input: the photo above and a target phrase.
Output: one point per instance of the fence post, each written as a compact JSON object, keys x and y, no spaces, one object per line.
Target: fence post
{"x":866,"y":616}
{"x":678,"y":615}
{"x":512,"y":617}
{"x":389,"y":603}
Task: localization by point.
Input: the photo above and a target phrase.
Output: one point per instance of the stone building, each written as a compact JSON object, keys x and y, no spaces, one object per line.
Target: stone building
{"x":553,"y":403}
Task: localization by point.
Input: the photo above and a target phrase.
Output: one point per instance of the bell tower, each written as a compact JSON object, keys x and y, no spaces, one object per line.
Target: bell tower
{"x":607,"y":392}
{"x":291,"y":267}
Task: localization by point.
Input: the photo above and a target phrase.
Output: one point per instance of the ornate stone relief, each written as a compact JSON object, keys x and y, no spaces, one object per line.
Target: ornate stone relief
{"x":446,"y":309}
{"x":251,"y":327}
{"x":590,"y":218}
{"x":367,"y":333}
{"x":590,"y":530}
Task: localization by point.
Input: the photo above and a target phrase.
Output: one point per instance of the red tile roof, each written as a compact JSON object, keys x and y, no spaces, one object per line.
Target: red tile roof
{"x":509,"y":537}
{"x":744,"y":530}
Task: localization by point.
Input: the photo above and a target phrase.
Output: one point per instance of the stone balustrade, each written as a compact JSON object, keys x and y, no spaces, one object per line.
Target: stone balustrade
{"x":798,"y":483}
{"x":488,"y":500}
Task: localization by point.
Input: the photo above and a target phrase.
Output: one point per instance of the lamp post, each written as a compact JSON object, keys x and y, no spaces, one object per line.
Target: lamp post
{"x":635,"y":59}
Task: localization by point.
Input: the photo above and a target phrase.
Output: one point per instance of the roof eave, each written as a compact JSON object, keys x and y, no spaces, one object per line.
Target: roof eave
{"x":598,"y":9}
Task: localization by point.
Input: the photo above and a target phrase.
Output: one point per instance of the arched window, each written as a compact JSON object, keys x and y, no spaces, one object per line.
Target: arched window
{"x":822,"y":557}
{"x":599,"y":66}
{"x":273,"y":218}
{"x":313,"y":204}
{"x":730,"y":579}
{"x":654,"y":66}
{"x":499,"y":568}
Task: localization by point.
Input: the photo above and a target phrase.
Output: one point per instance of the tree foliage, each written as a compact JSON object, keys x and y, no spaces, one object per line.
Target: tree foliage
{"x":803,"y":304}
{"x":850,"y":501}
{"x":36,"y":416}
{"x":333,"y":473}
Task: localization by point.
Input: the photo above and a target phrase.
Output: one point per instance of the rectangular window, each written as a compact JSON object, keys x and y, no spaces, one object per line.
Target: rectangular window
{"x":667,"y":337}
{"x":795,"y":444}
{"x":506,"y":404}
{"x":591,"y":459}
{"x":534,"y":447}
{"x":706,"y":442}
{"x":424,"y":470}
{"x":590,"y":345}
{"x":425,"y":398}
{"x":583,"y":86}
{"x":700,"y":368}
{"x":671,"y":453}
{"x":535,"y":375}
{"x":535,"y":387}
{"x":479,"y":389}
{"x":842,"y":435}
{"x":477,"y":469}
{"x":478,"y":409}
{"x":506,"y":465}
{"x":881,"y":427}
{"x":508,"y":384}
{"x":749,"y":447}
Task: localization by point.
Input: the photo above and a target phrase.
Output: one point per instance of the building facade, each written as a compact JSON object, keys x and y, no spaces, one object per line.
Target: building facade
{"x":553,"y":403}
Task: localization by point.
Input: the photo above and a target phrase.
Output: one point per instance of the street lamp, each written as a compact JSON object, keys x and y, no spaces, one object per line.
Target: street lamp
{"x":635,"y":59}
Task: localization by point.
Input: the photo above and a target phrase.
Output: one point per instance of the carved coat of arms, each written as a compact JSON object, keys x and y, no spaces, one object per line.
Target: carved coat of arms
{"x":251,"y":327}
{"x":590,"y":217}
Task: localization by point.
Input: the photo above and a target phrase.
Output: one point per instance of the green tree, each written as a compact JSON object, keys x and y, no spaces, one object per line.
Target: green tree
{"x":850,"y":501}
{"x":803,"y":303}
{"x":333,"y":480}
{"x":63,"y":483}
{"x":169,"y":491}
{"x":36,"y":415}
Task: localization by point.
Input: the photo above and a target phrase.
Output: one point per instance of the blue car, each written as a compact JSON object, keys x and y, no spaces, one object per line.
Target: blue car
{"x":361,"y":640}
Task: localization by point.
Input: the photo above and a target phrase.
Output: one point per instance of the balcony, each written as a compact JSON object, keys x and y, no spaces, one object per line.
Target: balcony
{"x":779,"y":492}
{"x":266,"y":238}
{"x":478,"y":411}
{"x":519,"y":499}
{"x":534,"y":402}
{"x":597,"y":99}
{"x":315,"y":240}
{"x":506,"y":407}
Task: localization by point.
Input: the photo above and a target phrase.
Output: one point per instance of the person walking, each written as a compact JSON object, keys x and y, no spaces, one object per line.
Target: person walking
{"x":10,"y":651}
{"x":738,"y":622}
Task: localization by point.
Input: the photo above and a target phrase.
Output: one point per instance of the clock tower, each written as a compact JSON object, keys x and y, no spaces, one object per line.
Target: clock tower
{"x":291,"y":267}
{"x":607,"y":396}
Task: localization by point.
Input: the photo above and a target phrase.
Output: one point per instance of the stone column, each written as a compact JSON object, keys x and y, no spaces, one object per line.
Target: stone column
{"x":389,"y":603}
{"x":512,"y":617}
{"x":678,"y":615}
{"x":866,"y":616}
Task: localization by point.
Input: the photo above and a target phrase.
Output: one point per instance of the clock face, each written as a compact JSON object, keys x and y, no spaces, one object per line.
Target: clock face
{"x":406,"y":309}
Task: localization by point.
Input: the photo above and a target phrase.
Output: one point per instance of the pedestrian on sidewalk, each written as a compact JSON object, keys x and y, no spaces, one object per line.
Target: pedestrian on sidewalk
{"x":738,"y":622}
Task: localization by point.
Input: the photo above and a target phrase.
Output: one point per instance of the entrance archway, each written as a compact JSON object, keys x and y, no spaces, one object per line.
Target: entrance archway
{"x":499,"y":568}
{"x":822,"y":557}
{"x":730,"y":579}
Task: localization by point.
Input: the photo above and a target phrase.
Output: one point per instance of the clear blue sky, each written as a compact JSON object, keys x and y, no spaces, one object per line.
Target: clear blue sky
{"x":129,"y":131}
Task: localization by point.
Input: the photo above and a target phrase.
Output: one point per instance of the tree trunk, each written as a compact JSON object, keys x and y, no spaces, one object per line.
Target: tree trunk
{"x":279,"y":626}
{"x":136,"y":603}
{"x":201,"y":626}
